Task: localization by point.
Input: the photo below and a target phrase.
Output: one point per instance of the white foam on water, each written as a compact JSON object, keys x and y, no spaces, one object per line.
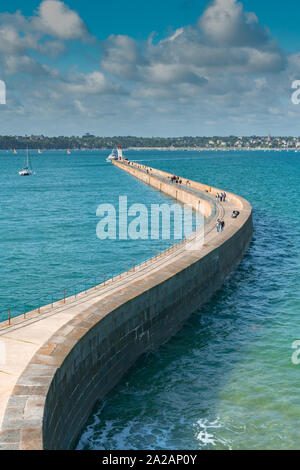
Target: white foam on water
{"x":115,"y":434}
{"x":208,"y":436}
{"x":87,"y":436}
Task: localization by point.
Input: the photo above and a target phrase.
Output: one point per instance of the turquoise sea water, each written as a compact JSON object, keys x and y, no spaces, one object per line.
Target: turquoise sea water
{"x":48,"y":227}
{"x":226,"y":381}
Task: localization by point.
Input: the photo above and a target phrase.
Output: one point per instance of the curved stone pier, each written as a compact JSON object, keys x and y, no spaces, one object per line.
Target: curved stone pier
{"x":60,"y":362}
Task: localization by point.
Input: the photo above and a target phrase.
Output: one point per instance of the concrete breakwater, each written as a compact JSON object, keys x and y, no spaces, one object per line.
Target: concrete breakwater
{"x":60,"y":364}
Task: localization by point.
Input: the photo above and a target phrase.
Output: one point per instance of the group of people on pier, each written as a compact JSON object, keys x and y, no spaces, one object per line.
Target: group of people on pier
{"x":175,"y":179}
{"x":221,"y":197}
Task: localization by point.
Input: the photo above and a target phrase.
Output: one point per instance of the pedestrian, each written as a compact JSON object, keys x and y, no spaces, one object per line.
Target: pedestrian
{"x":222,"y":225}
{"x":218,"y":225}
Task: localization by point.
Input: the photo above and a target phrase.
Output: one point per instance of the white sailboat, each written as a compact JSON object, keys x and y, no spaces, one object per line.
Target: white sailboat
{"x":113,"y":155}
{"x":26,"y":171}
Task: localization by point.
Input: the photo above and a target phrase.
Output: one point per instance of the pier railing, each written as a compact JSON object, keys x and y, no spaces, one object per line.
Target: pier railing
{"x":71,"y":293}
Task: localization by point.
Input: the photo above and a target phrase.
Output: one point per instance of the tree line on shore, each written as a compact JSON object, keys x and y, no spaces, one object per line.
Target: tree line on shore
{"x":89,"y":141}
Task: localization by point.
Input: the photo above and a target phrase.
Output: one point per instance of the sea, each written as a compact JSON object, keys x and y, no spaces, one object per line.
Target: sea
{"x":229,"y":378}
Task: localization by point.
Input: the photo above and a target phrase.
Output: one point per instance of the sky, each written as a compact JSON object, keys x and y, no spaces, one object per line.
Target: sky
{"x":159,"y":68}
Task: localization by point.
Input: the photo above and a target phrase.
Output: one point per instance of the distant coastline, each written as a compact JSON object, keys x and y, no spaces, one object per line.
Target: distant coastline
{"x":92,"y":142}
{"x":165,"y":149}
{"x":205,"y":149}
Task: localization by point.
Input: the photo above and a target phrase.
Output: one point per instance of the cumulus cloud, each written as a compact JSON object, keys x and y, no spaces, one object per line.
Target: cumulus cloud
{"x":121,"y":56}
{"x":167,"y":74}
{"x":13,"y":41}
{"x":225,"y":22}
{"x":91,"y":84}
{"x":225,"y":39}
{"x":58,"y":20}
{"x":23,"y":64}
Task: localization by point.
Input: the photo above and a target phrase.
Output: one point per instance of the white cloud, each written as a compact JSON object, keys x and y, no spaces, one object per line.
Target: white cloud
{"x":167,"y":74}
{"x":226,"y":22}
{"x":120,"y":56}
{"x":91,"y":84}
{"x":12,"y":42}
{"x":58,"y":20}
{"x":175,"y":35}
{"x":23,"y":64}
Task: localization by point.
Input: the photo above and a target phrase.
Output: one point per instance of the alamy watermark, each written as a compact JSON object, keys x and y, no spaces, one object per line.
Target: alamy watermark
{"x":296,"y":94}
{"x":160,"y":221}
{"x":296,"y":353}
{"x":2,"y":92}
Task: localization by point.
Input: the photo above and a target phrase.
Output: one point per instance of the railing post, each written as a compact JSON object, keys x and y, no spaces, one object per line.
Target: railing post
{"x":39,"y":309}
{"x":9,"y":316}
{"x":52,"y":300}
{"x":64,"y":295}
{"x":104,"y":278}
{"x":24,"y":311}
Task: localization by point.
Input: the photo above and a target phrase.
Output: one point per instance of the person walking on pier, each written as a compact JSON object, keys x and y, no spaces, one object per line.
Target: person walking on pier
{"x":220,"y":225}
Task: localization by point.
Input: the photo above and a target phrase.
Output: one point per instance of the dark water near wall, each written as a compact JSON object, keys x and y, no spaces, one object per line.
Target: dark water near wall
{"x":226,"y":380}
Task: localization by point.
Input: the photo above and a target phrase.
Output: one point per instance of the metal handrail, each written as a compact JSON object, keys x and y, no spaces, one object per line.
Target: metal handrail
{"x":83,"y":287}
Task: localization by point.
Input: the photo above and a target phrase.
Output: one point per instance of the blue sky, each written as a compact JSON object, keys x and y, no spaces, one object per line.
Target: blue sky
{"x":180,"y":67}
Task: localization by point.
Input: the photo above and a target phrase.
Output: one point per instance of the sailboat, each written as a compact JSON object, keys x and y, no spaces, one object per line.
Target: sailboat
{"x":15,"y":151}
{"x":39,"y":151}
{"x":26,"y":171}
{"x":113,"y":156}
{"x":68,"y":152}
